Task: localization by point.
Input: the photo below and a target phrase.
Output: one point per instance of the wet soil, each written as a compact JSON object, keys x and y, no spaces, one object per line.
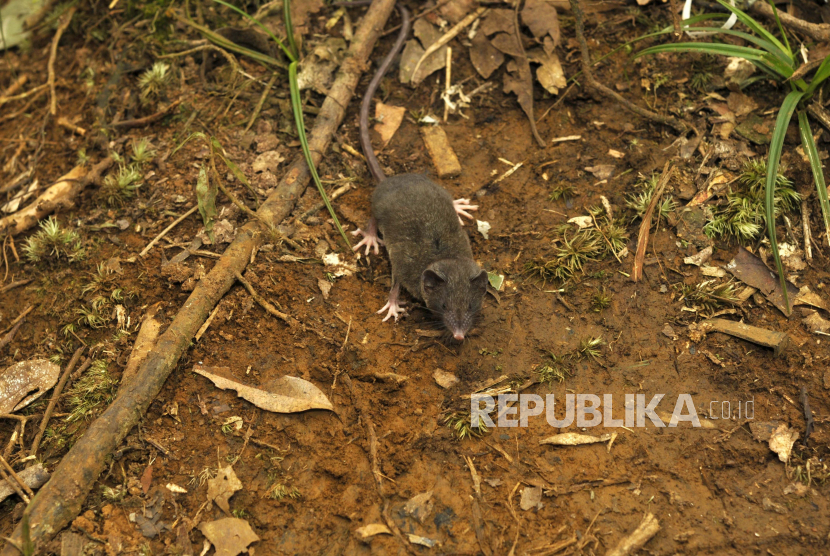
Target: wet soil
{"x":714,"y":488}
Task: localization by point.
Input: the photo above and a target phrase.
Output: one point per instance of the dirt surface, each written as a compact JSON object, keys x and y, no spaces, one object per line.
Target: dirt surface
{"x":307,"y":478}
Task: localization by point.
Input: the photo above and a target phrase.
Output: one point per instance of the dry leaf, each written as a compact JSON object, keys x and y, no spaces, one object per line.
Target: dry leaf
{"x":506,"y":42}
{"x":574,"y":439}
{"x":541,"y":18}
{"x":230,"y":536}
{"x":389,"y":119}
{"x":371,"y":530}
{"x":549,"y":73}
{"x":498,"y":21}
{"x":24,"y":382}
{"x":284,"y":395}
{"x":485,"y":57}
{"x":419,"y":506}
{"x":325,"y":287}
{"x":222,"y":487}
{"x":444,"y":379}
{"x":413,"y":51}
{"x":781,"y":442}
{"x":601,"y":171}
{"x":520,"y":82}
{"x":531,"y":497}
{"x":816,"y":324}
{"x":807,"y":297}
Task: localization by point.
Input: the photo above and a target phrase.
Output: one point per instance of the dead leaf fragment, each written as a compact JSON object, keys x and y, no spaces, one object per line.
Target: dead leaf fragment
{"x":368,"y":531}
{"x":325,"y":287}
{"x":485,"y":57}
{"x":229,"y":536}
{"x":549,"y":73}
{"x":782,"y":440}
{"x":807,"y":297}
{"x":531,"y":498}
{"x":498,"y":21}
{"x":285,"y":395}
{"x":389,"y":119}
{"x":224,"y":485}
{"x":26,"y":381}
{"x":541,"y":18}
{"x":601,"y":171}
{"x":574,"y":439}
{"x":816,"y":324}
{"x":700,"y":257}
{"x":414,"y":50}
{"x":419,"y":506}
{"x":444,"y":379}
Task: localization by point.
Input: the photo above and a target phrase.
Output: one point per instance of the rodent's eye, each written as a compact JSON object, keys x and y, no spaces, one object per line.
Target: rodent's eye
{"x":444,"y":306}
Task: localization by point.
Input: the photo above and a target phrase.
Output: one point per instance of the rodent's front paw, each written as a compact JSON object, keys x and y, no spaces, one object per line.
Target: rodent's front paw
{"x":461,"y":207}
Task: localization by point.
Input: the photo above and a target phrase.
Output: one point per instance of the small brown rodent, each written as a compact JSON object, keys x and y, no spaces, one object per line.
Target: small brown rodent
{"x":420,"y":226}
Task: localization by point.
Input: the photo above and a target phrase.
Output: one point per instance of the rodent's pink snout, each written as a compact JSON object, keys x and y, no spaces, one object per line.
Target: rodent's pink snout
{"x":458,"y":335}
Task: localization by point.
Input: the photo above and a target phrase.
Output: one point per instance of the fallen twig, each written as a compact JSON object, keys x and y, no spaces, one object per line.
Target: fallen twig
{"x":165,"y":231}
{"x":270,"y":309}
{"x":579,"y":16}
{"x":16,"y":85}
{"x":56,"y":394}
{"x":13,"y":285}
{"x":61,"y":499}
{"x":66,"y":19}
{"x":817,"y":31}
{"x":645,"y":225}
{"x":7,"y":339}
{"x":63,"y":192}
{"x":16,"y":477}
{"x":448,"y":36}
{"x":147,"y":120}
{"x":19,"y":318}
{"x":13,"y":483}
{"x":647,"y":528}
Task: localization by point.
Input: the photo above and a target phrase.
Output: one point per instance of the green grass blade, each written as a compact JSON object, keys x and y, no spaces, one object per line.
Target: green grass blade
{"x":822,"y":73}
{"x":755,"y":27}
{"x":220,"y":151}
{"x":785,"y":114}
{"x":297,"y":108}
{"x":757,"y":41}
{"x":815,"y":165}
{"x":745,"y":52}
{"x":289,"y":29}
{"x":222,"y":42}
{"x":244,"y":14}
{"x":780,"y":27}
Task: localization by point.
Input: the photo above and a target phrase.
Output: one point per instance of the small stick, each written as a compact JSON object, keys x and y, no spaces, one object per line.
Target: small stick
{"x":16,"y":477}
{"x":4,"y":100}
{"x":13,"y":285}
{"x":164,"y":232}
{"x":65,"y":21}
{"x":14,"y":87}
{"x":14,"y":485}
{"x":147,"y":120}
{"x":447,"y":84}
{"x":335,"y":194}
{"x":7,"y":339}
{"x":64,"y":123}
{"x":579,"y":17}
{"x":258,"y":107}
{"x":56,"y":394}
{"x":645,"y":225}
{"x":205,"y":326}
{"x":419,"y":16}
{"x":647,"y":528}
{"x":450,"y":35}
{"x":805,"y":222}
{"x":264,"y":304}
{"x":20,"y":317}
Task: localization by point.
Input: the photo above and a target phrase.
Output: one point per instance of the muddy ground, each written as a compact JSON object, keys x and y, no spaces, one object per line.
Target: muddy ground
{"x":715,"y":489}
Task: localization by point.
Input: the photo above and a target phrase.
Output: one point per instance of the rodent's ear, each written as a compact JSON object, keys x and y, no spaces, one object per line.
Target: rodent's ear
{"x":479,"y":282}
{"x":431,"y":280}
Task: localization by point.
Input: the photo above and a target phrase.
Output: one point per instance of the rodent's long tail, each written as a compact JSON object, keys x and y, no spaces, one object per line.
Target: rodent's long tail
{"x":365,"y":140}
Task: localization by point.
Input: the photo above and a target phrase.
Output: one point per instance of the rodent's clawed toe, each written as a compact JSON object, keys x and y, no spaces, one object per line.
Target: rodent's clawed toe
{"x":461,"y":207}
{"x":369,"y":241}
{"x":393,"y":309}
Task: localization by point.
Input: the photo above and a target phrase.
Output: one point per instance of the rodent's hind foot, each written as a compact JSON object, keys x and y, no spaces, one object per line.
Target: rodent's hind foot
{"x":393,"y":309}
{"x":461,"y":207}
{"x":393,"y":306}
{"x":370,"y":238}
